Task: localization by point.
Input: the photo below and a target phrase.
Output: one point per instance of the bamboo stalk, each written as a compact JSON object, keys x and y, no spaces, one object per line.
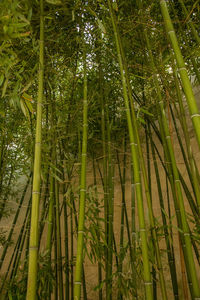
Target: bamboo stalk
{"x":67,"y":289}
{"x":189,"y":259}
{"x":194,"y":170}
{"x":97,"y":231}
{"x":192,"y":58}
{"x":187,"y":87}
{"x":146,"y":185}
{"x":33,"y":246}
{"x":168,"y":239}
{"x":79,"y":255}
{"x":135,"y":159}
{"x":122,"y":183}
{"x":58,"y":243}
{"x":72,"y":249}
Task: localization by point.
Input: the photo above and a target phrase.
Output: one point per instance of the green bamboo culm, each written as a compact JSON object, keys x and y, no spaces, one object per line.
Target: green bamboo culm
{"x":136,"y":165}
{"x":177,"y":191}
{"x":79,"y":255}
{"x":33,"y":245}
{"x":186,"y":84}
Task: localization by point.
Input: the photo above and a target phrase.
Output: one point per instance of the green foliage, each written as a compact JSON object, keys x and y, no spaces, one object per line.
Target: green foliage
{"x":66,"y":23}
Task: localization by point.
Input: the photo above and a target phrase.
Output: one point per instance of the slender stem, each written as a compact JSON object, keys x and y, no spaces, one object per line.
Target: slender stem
{"x":187,"y":87}
{"x":79,"y":255}
{"x":136,"y":169}
{"x":33,"y":245}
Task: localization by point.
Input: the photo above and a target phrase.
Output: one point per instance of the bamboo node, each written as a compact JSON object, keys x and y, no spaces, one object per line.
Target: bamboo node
{"x":35,"y":192}
{"x":195,"y":115}
{"x":186,"y":234}
{"x":81,"y":231}
{"x":148,"y":283}
{"x":168,"y":137}
{"x":77,"y":282}
{"x":133,"y":144}
{"x":137,"y":183}
{"x":171,"y":31}
{"x":182,"y":68}
{"x":82,"y":190}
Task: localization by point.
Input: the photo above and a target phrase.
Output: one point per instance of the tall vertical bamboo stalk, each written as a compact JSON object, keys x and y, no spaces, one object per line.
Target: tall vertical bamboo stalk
{"x":182,"y":220}
{"x":168,"y":239}
{"x":33,"y":245}
{"x":133,"y":234}
{"x":79,"y":255}
{"x":187,"y":87}
{"x":50,"y":216}
{"x":67,"y":290}
{"x":58,"y":242}
{"x":181,"y":30}
{"x":104,"y":124}
{"x":72,"y":245}
{"x":194,"y":170}
{"x":122,"y":183}
{"x":136,"y":166}
{"x":97,"y":230}
{"x":144,"y":173}
{"x":109,"y":215}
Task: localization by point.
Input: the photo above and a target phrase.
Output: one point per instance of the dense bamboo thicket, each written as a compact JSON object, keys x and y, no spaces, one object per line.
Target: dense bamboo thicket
{"x":99,"y":151}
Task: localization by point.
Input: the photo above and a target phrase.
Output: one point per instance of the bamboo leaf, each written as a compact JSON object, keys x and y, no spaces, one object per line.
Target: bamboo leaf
{"x":29,"y":105}
{"x":24,"y":108}
{"x":20,"y":25}
{"x":146,"y":112}
{"x":29,"y":14}
{"x":99,"y":286}
{"x":27,"y":97}
{"x":2,"y":113}
{"x":1,"y":79}
{"x":27,"y":86}
{"x":54,"y":167}
{"x":141,"y":120}
{"x":57,"y":177}
{"x":115,"y":6}
{"x":10,"y":295}
{"x":5,"y":87}
{"x":54,"y":2}
{"x":69,"y":204}
{"x":101,"y":26}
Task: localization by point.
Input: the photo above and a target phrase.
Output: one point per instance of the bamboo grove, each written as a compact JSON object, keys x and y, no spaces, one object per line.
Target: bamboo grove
{"x":100,"y":149}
